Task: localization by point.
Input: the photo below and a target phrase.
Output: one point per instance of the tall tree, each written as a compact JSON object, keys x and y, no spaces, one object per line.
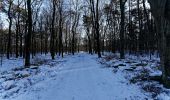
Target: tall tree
{"x":60,"y":9}
{"x":28,"y":36}
{"x":18,"y":32}
{"x":161,"y":12}
{"x":9,"y":30}
{"x":94,"y":6}
{"x":52,"y":49}
{"x":122,"y":27}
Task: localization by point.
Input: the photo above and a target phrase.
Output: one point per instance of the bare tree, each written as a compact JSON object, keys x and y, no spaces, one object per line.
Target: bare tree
{"x":52,"y":49}
{"x":9,"y":30}
{"x":122,"y":31}
{"x":94,"y":6}
{"x":28,"y":36}
{"x":60,"y":9}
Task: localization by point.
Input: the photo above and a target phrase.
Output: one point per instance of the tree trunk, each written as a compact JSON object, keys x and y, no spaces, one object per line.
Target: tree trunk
{"x":16,"y":41}
{"x":60,"y":31}
{"x":52,"y":51}
{"x":97,"y":29}
{"x":28,"y":36}
{"x":20,"y":50}
{"x":89,"y":41}
{"x":9,"y":30}
{"x":122,"y":8}
{"x":160,"y":10}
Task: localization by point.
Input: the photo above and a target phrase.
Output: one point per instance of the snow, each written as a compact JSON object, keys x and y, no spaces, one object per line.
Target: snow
{"x":11,"y":64}
{"x":163,"y":97}
{"x":78,"y":77}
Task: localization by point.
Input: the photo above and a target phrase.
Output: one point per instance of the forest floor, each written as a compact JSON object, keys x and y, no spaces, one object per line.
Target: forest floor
{"x":82,"y":77}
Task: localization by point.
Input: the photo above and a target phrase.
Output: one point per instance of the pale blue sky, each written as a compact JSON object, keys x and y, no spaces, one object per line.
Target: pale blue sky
{"x":4,"y":18}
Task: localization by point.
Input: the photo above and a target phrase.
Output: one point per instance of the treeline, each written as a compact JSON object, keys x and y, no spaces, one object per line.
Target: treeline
{"x":57,"y":26}
{"x":38,"y":26}
{"x":125,"y":26}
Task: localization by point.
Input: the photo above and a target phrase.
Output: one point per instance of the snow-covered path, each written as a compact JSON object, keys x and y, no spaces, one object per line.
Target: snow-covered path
{"x":81,"y":77}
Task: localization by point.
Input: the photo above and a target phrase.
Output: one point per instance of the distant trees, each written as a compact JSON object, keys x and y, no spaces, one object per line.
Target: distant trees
{"x":18,"y":13}
{"x":87,"y":25}
{"x":1,"y":41}
{"x":123,"y":27}
{"x":67,"y":27}
{"x":75,"y":14}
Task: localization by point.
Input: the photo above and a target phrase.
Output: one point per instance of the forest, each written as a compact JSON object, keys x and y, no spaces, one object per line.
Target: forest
{"x":84,"y":49}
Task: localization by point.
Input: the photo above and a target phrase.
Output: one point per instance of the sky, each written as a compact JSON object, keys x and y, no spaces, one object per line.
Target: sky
{"x":4,"y":18}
